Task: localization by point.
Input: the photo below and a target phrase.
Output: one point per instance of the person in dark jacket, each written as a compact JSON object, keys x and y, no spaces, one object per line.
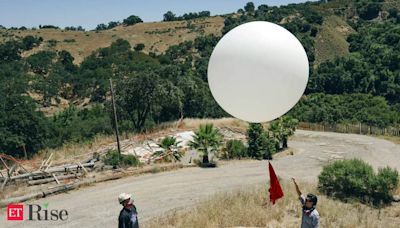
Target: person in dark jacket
{"x":128,"y":215}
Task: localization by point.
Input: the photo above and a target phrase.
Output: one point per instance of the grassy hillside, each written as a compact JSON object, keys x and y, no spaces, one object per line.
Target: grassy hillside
{"x":156,"y":36}
{"x":331,"y":40}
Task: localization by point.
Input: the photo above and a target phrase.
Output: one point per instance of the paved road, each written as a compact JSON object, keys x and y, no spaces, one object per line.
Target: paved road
{"x":155,"y":194}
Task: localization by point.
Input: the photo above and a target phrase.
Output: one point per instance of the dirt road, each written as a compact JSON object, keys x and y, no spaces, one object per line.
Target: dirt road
{"x":155,"y":194}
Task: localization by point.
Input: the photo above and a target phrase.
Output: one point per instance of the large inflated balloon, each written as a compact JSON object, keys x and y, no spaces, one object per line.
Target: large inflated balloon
{"x":258,"y":71}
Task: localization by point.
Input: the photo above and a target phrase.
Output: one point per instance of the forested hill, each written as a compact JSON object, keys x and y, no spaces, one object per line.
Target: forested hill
{"x":54,"y":82}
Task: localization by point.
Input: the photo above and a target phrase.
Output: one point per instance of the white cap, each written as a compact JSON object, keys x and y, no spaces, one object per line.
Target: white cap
{"x":123,"y":196}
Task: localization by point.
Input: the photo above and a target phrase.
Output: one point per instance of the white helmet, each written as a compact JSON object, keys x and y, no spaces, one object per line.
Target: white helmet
{"x":123,"y":196}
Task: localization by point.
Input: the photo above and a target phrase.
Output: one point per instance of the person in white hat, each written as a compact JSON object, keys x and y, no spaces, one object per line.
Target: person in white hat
{"x":128,"y":215}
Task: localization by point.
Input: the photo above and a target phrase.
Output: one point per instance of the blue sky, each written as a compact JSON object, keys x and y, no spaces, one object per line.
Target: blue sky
{"x":89,"y":13}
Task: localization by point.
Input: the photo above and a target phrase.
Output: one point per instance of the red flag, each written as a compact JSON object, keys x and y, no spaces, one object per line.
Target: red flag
{"x":275,"y":191}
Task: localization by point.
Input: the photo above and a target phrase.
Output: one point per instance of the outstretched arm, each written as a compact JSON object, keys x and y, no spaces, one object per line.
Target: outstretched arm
{"x":297,"y":187}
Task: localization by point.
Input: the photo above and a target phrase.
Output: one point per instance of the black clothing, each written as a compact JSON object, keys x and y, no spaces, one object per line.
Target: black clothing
{"x":128,"y":218}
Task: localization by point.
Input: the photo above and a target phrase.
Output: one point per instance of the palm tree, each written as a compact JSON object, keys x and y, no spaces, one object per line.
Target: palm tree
{"x":206,"y":140}
{"x":282,"y":129}
{"x":275,"y":132}
{"x":171,"y":149}
{"x":289,"y":127}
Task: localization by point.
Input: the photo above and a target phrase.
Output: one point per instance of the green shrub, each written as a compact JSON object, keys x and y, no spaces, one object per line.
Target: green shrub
{"x":383,"y":185}
{"x":139,"y":47}
{"x":115,"y":159}
{"x":346,"y":178}
{"x":155,"y":169}
{"x":261,"y":145}
{"x":355,"y":179}
{"x":111,"y":158}
{"x":74,"y":125}
{"x":52,"y":42}
{"x":69,"y":40}
{"x":254,"y":133}
{"x":129,"y":160}
{"x":235,"y":149}
{"x":131,"y":20}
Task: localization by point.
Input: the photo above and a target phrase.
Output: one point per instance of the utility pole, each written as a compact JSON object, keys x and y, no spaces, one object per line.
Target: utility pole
{"x":24,"y":149}
{"x":115,"y":116}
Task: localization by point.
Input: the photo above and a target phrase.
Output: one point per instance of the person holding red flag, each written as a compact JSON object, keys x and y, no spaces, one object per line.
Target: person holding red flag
{"x":310,"y":215}
{"x":275,"y":190}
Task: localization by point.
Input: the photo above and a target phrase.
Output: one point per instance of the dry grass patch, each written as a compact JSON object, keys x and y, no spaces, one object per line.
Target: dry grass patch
{"x":331,"y":39}
{"x":220,"y":123}
{"x":251,"y":208}
{"x":71,"y":152}
{"x":390,"y":138}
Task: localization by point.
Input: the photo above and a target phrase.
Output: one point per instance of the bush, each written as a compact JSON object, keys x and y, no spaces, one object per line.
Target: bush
{"x":346,"y":178}
{"x":115,"y":159}
{"x":101,"y":27}
{"x":383,"y":185}
{"x":254,"y":133}
{"x":249,"y":7}
{"x":111,"y":158}
{"x":235,"y":149}
{"x":355,"y":179}
{"x":345,"y":108}
{"x":261,"y":145}
{"x":29,"y":42}
{"x":129,"y":160}
{"x":313,"y":17}
{"x":368,"y":10}
{"x":393,"y":12}
{"x":314,"y":31}
{"x":169,"y":16}
{"x":69,"y":40}
{"x":52,"y":42}
{"x":48,"y":27}
{"x":131,"y":20}
{"x":73,"y":125}
{"x":139,"y":47}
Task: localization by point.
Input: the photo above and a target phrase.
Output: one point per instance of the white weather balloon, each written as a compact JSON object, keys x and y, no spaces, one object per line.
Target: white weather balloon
{"x":258,"y":71}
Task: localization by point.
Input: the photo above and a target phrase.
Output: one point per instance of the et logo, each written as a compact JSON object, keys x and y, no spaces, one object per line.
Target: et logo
{"x":15,"y":212}
{"x":35,"y":212}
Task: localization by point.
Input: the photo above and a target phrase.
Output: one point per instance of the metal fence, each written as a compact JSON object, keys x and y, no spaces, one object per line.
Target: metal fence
{"x":360,"y":128}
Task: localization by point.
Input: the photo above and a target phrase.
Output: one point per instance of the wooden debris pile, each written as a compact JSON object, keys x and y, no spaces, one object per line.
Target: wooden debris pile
{"x":13,"y":171}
